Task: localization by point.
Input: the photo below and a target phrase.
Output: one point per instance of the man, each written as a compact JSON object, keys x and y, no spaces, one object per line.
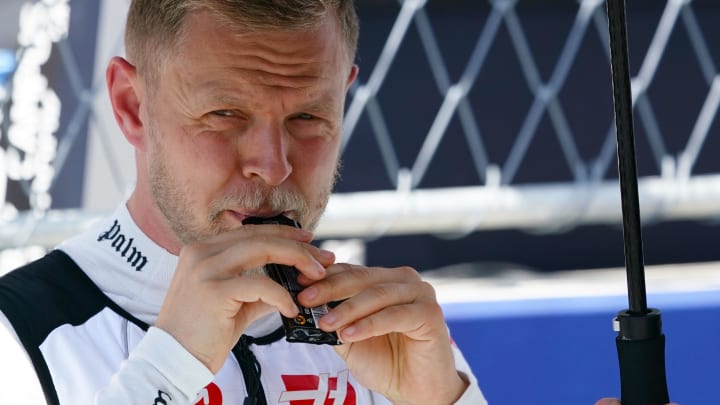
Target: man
{"x":234,"y":109}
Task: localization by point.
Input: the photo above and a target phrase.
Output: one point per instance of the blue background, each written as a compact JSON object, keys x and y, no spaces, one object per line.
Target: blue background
{"x":562,"y":351}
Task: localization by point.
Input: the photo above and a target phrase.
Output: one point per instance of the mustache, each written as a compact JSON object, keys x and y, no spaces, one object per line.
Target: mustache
{"x":258,"y":197}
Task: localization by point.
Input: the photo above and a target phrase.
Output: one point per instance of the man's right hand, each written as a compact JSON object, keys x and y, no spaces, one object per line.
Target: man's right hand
{"x":216,"y":293}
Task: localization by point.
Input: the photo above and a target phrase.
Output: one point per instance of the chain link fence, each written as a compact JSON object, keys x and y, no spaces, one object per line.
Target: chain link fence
{"x":494,"y":142}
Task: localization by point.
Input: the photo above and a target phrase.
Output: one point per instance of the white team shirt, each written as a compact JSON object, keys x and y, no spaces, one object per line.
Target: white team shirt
{"x":110,"y":359}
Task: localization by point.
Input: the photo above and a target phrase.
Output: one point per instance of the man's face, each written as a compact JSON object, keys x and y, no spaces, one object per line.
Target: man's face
{"x":245,"y":125}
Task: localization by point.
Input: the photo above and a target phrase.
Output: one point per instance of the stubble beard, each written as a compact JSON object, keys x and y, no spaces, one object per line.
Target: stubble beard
{"x":176,"y":205}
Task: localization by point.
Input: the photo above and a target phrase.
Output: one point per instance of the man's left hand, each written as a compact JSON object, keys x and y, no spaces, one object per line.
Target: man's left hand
{"x":395,"y":338}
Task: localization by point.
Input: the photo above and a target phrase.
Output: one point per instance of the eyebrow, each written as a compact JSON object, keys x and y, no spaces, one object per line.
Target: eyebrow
{"x":321,"y":107}
{"x":215,"y":92}
{"x":229,"y":99}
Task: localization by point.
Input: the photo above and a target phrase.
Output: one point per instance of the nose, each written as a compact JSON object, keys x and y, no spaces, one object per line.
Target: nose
{"x":264,"y":155}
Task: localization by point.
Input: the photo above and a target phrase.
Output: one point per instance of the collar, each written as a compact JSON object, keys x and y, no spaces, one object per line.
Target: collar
{"x":131,"y":269}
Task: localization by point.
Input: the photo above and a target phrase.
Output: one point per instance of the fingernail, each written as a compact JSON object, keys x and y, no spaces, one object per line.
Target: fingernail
{"x":309,"y":293}
{"x":327,"y":254}
{"x":349,"y":331}
{"x":330,"y":318}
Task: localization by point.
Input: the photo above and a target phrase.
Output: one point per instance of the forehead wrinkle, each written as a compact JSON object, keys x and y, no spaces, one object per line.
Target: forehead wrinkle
{"x":283,"y":58}
{"x":273,"y":58}
{"x":220,"y":89}
{"x":277,"y":80}
{"x":251,"y":68}
{"x":275,"y":47}
{"x":282,"y":67}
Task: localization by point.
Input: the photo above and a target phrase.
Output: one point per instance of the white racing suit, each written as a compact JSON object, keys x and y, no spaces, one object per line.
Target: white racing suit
{"x":74,"y":329}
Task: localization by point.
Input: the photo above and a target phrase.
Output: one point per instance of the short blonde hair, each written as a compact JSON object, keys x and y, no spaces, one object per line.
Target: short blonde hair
{"x":154,"y":26}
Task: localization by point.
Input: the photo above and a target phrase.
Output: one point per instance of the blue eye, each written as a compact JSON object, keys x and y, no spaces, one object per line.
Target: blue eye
{"x":305,"y":116}
{"x":223,"y":113}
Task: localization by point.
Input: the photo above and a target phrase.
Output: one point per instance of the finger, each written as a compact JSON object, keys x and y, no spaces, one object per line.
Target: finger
{"x":379,"y":324}
{"x":346,"y":280}
{"x":385,"y":297}
{"x":253,"y":288}
{"x":325,"y":257}
{"x":273,"y":230}
{"x":216,"y":244}
{"x":252,"y":253}
{"x":409,"y":319}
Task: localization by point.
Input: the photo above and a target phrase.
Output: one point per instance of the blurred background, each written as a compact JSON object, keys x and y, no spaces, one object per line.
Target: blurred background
{"x":479,"y":148}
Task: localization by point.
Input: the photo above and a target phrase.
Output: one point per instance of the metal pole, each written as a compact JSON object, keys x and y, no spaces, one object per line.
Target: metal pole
{"x":640,"y":341}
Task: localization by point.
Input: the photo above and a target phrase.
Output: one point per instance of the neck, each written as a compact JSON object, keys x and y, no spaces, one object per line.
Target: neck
{"x":146,"y":214}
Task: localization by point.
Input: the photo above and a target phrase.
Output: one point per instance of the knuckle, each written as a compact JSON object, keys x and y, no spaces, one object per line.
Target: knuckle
{"x":347,"y":307}
{"x":303,"y":247}
{"x":428,"y":289}
{"x":381,"y":292}
{"x":409,"y":272}
{"x":404,"y":312}
{"x":361,"y":272}
{"x":370,"y":323}
{"x":344,"y":267}
{"x":435,"y":310}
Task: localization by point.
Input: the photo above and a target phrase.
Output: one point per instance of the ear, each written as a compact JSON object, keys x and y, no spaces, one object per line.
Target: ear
{"x":351,"y":78}
{"x":126,"y":97}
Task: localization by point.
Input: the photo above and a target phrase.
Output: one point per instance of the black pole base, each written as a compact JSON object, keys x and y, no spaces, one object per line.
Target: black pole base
{"x":641,"y":352}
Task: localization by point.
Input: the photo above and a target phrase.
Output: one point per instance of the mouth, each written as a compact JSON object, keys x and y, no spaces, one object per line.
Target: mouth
{"x":240,"y":216}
